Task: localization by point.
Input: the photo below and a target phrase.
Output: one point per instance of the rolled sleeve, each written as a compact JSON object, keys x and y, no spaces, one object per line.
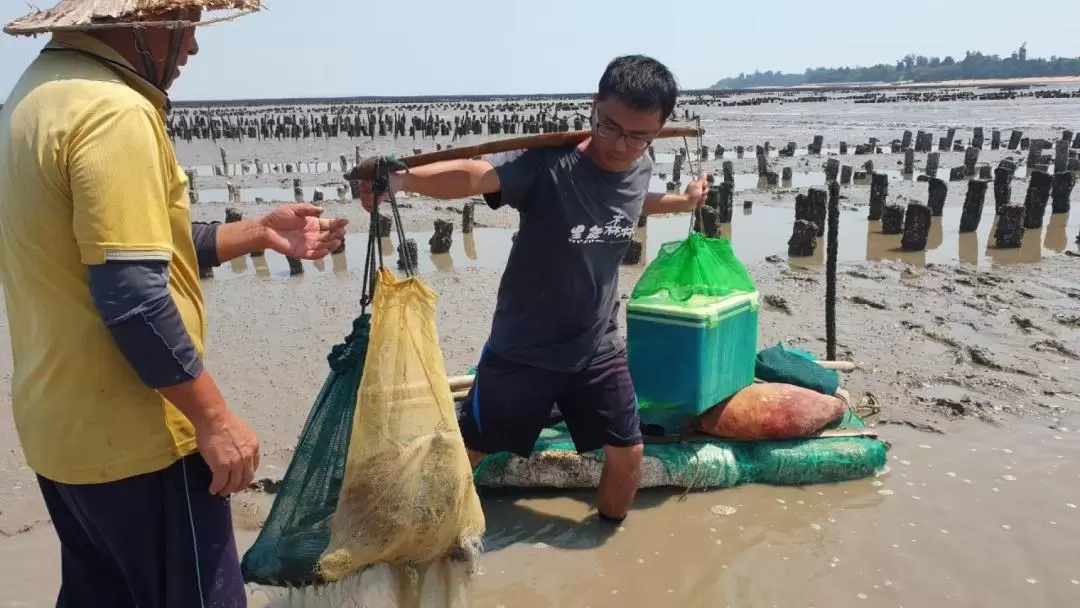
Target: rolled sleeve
{"x":119,"y":186}
{"x":517,"y":171}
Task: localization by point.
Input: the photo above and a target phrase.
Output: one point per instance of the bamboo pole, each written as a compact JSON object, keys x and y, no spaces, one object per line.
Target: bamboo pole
{"x":366,"y":169}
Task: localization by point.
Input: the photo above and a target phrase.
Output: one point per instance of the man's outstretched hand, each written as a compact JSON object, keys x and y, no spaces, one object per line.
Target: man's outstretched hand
{"x":297,"y":230}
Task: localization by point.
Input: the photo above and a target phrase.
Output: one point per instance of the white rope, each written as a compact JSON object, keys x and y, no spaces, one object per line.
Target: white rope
{"x":194,"y":538}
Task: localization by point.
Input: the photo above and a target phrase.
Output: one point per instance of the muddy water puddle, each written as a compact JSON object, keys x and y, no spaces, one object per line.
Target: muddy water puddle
{"x":986,"y":517}
{"x":755,"y":233}
{"x":266,"y":194}
{"x":485,"y":247}
{"x":743,"y":182}
{"x":987,"y":520}
{"x":251,"y":168}
{"x":982,"y":516}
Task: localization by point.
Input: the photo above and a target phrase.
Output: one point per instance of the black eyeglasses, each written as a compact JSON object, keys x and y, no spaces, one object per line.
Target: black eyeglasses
{"x":610,"y":132}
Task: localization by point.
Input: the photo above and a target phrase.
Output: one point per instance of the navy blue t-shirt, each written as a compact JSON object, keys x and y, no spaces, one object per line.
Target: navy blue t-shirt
{"x":558,"y":299}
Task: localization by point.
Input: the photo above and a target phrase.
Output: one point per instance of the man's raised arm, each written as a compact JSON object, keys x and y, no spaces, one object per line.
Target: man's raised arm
{"x":449,"y":179}
{"x":505,"y":178}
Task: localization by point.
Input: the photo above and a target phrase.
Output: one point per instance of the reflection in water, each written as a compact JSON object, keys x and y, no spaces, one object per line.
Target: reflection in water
{"x":968,"y":244}
{"x":751,"y":181}
{"x":873,"y":253}
{"x":564,"y":521}
{"x":641,"y":234}
{"x":887,"y":247}
{"x":936,"y":236}
{"x":1057,"y":238}
{"x":341,"y":263}
{"x":265,"y":194}
{"x":814,"y":261}
{"x":443,"y":262}
{"x":262,"y":269}
{"x":1030,"y":249}
{"x":469,"y":240}
{"x":753,"y":237}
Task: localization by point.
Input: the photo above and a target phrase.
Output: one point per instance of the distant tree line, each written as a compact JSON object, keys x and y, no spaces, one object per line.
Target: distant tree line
{"x":918,"y":68}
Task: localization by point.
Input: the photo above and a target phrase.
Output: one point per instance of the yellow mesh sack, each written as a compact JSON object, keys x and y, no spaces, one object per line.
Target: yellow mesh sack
{"x":408,"y":495}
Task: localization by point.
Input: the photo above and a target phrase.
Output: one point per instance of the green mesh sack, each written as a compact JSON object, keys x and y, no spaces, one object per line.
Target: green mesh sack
{"x":696,"y":266}
{"x":297,"y":530}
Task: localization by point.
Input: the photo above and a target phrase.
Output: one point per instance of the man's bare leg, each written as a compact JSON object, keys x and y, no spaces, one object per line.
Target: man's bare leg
{"x":619,"y":481}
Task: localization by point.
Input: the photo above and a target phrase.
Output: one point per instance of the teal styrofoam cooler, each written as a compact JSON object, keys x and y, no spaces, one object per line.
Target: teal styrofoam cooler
{"x":691,"y":355}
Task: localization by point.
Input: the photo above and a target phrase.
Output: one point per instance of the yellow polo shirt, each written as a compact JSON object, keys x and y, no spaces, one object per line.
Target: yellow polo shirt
{"x":88,"y":174}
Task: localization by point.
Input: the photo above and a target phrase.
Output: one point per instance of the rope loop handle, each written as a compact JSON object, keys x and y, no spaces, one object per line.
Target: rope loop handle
{"x":380,"y":185}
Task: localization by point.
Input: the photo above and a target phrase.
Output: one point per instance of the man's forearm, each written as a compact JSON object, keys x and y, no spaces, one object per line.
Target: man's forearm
{"x":239,"y":238}
{"x":199,"y":400}
{"x":657,"y":203}
{"x":135,"y":305}
{"x":448,"y":179}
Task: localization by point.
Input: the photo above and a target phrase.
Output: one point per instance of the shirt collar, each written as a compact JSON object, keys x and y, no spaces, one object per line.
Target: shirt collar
{"x":88,"y":44}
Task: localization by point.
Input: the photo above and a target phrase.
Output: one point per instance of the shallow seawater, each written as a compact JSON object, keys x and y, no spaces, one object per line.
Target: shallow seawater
{"x":986,"y":520}
{"x":743,"y":182}
{"x":983,"y":521}
{"x":755,"y":234}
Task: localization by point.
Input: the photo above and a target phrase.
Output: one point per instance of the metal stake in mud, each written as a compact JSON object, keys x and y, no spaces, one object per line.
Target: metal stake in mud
{"x":830,"y":270}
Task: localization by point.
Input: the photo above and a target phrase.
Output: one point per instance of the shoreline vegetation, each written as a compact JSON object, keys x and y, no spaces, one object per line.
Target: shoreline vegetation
{"x":918,"y":69}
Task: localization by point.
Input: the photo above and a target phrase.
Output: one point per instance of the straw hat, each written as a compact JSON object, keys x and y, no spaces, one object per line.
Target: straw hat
{"x":84,"y":15}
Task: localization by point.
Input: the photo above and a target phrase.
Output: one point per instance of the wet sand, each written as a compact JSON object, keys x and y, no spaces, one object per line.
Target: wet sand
{"x":967,"y":359}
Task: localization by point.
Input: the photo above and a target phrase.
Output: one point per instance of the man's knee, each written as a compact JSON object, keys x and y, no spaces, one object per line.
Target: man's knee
{"x":624,"y":458}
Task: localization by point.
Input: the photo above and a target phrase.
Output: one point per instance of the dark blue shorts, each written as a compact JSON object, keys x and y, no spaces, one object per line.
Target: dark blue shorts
{"x":159,"y":540}
{"x":511,"y":403}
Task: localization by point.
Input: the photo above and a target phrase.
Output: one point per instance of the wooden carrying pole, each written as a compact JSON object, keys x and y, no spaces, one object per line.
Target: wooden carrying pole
{"x":366,"y":169}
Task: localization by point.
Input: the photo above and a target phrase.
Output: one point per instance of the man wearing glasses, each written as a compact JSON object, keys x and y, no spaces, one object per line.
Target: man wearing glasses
{"x":554,"y":337}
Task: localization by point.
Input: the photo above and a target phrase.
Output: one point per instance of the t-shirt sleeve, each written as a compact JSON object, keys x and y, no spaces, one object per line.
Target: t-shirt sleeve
{"x":118,"y":176}
{"x":517,"y":171}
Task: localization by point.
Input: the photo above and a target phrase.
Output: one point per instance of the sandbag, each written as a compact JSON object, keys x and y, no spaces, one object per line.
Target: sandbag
{"x":771,"y":410}
{"x":408,"y":496}
{"x":792,"y":366}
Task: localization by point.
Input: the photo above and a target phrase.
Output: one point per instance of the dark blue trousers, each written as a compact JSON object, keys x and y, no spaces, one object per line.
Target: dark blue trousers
{"x":159,"y":540}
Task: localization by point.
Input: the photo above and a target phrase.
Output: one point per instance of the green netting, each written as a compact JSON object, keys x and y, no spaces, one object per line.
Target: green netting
{"x":699,"y":464}
{"x":297,"y":529}
{"x":695,"y":266}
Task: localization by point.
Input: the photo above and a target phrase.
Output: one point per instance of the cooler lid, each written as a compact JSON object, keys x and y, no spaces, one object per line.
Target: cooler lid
{"x":697,"y":307}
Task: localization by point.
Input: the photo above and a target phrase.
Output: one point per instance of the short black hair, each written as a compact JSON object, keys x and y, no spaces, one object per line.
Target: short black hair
{"x":642,"y":83}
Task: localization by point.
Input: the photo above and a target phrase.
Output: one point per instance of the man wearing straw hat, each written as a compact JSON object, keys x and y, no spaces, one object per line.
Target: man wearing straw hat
{"x":135,"y":449}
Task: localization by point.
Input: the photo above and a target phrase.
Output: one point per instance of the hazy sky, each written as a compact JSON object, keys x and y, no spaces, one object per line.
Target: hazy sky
{"x":299,"y":48}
